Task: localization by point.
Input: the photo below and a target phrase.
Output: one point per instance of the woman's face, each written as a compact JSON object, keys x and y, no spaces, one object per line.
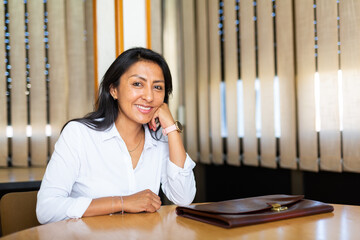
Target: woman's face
{"x":140,"y":92}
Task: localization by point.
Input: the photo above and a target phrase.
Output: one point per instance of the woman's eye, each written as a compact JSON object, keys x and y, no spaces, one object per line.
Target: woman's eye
{"x":136,"y":84}
{"x":158,"y":87}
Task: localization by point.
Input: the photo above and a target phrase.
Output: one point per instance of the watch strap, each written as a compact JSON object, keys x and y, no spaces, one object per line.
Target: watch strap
{"x":169,"y":129}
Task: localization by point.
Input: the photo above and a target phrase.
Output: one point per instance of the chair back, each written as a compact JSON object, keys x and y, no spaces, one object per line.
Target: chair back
{"x":18,"y":211}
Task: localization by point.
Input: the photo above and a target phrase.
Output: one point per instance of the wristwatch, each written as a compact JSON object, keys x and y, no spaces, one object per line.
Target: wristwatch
{"x":175,"y":127}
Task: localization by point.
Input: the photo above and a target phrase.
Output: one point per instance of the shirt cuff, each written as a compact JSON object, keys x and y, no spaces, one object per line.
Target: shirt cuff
{"x":173,"y":170}
{"x":78,"y":207}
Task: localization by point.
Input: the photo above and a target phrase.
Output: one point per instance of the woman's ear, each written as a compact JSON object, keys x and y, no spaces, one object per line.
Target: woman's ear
{"x":113,"y":92}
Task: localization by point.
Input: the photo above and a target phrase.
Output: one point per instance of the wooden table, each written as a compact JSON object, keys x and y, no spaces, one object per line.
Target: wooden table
{"x":343,"y":223}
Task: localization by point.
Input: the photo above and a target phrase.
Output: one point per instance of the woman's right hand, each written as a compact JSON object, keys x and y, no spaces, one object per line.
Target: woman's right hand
{"x":144,"y":201}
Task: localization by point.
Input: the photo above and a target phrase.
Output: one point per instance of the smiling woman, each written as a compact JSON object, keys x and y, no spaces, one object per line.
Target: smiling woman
{"x":113,"y":160}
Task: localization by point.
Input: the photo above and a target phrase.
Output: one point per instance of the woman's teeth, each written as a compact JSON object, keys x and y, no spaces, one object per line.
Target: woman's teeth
{"x":142,"y":107}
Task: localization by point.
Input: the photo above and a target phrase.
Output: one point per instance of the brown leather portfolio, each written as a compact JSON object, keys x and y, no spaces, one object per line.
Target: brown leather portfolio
{"x":253,"y":210}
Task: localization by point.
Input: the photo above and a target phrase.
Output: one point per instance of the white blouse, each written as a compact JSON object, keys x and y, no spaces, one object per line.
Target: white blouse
{"x":88,"y":164}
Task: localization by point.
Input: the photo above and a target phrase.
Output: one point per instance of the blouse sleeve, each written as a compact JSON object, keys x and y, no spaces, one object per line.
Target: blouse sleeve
{"x":54,"y":202}
{"x":178,"y":183}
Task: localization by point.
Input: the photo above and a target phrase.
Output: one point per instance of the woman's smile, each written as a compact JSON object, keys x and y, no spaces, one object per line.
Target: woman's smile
{"x":144,"y":109}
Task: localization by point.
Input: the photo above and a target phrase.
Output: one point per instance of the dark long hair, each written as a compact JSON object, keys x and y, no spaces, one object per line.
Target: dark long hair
{"x":106,"y":110}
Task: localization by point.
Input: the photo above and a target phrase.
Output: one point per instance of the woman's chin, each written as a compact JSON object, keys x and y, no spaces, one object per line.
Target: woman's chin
{"x":143,"y":121}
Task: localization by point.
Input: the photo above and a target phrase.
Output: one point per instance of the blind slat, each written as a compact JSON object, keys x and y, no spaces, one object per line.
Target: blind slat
{"x":328,"y":65}
{"x":3,"y":111}
{"x":76,"y":53}
{"x":350,"y":62}
{"x":171,"y":51}
{"x":90,"y":63}
{"x":18,"y":83}
{"x":266,"y":75}
{"x":304,"y":24}
{"x":190,"y":88}
{"x":156,"y":26}
{"x":286,"y":75}
{"x":215,"y":80}
{"x":231,"y":77}
{"x":58,"y":72}
{"x":248,"y":76}
{"x":38,"y":83}
{"x":203,"y":79}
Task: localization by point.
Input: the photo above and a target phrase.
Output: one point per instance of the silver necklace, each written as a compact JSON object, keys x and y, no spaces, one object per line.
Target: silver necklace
{"x":130,"y":151}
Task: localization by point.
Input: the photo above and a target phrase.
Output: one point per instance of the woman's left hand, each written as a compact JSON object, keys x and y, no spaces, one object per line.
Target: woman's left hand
{"x":163,"y":115}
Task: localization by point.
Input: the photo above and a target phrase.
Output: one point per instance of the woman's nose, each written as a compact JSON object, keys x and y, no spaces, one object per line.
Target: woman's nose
{"x":148,"y":94}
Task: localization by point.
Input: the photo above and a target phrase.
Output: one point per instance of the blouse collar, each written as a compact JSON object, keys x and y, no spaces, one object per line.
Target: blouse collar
{"x":112,"y":132}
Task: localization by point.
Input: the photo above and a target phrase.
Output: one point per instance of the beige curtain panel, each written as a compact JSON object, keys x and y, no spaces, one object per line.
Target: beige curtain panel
{"x":290,"y":71}
{"x":49,"y":75}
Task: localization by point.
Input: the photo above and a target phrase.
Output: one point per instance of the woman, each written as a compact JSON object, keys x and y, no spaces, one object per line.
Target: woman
{"x":115,"y":158}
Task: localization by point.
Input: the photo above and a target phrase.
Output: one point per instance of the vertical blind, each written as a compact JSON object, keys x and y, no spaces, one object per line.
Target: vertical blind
{"x":285,"y":52}
{"x":202,"y":41}
{"x":37,"y":55}
{"x":214,"y":80}
{"x":305,"y":65}
{"x":3,"y":100}
{"x":190,"y":82}
{"x":270,"y":83}
{"x":18,"y":97}
{"x":47,"y":74}
{"x":230,"y":78}
{"x":350,"y":61}
{"x":290,"y":71}
{"x":248,"y":75}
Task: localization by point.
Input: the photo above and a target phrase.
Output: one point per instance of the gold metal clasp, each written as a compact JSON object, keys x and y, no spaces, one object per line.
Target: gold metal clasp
{"x":277,"y":207}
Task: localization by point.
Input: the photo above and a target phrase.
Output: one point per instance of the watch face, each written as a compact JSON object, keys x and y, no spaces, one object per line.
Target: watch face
{"x":179,"y":126}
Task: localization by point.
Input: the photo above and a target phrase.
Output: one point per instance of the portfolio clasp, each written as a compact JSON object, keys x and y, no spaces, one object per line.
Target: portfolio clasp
{"x":277,"y":207}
